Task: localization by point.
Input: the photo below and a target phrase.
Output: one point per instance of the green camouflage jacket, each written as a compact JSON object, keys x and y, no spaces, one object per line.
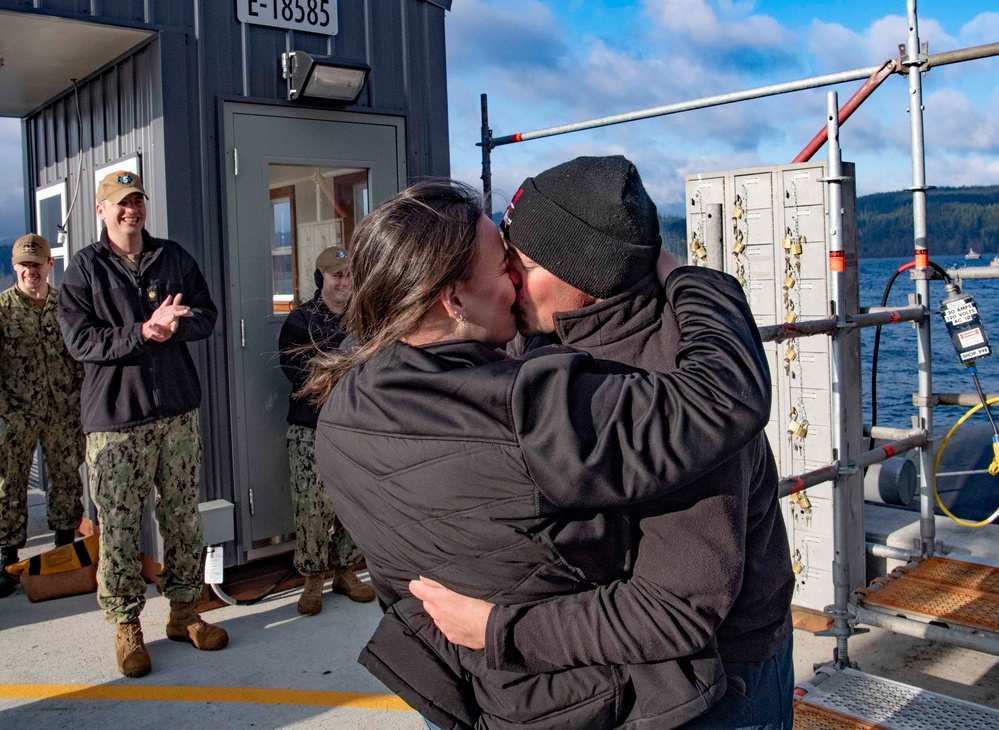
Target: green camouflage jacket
{"x":37,"y":375}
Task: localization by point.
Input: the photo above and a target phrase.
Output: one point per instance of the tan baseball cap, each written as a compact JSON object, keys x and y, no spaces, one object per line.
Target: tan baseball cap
{"x":332,"y":260}
{"x":33,"y":248}
{"x":118,"y":185}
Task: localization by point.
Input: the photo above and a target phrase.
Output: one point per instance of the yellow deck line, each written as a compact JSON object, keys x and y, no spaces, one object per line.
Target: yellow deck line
{"x":149,"y":693}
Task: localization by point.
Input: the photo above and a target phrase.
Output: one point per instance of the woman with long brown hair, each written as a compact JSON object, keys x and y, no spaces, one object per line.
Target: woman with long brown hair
{"x":508,"y":479}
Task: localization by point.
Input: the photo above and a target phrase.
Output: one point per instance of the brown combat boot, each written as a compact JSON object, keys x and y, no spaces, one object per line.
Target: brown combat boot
{"x":133,"y":659}
{"x":186,"y":625}
{"x":347,"y":583}
{"x":311,"y":600}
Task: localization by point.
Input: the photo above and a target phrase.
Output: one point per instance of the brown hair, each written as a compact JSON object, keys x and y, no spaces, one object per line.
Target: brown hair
{"x":403,"y":254}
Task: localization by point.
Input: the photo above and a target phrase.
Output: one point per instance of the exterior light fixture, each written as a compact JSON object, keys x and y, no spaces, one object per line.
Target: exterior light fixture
{"x":323,"y":77}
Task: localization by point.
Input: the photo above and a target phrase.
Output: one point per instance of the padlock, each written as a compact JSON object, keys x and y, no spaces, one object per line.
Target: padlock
{"x":702,"y":252}
{"x":790,"y":318}
{"x":791,"y":354}
{"x":797,"y":567}
{"x":801,"y":499}
{"x":742,"y":282}
{"x":736,"y":213}
{"x":788,"y":241}
{"x":802,"y":430}
{"x":738,"y":247}
{"x":793,"y":426}
{"x":789,"y":282}
{"x":796,"y":249}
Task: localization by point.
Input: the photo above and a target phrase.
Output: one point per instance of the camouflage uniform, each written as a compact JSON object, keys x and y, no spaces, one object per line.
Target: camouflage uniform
{"x":315,"y":550}
{"x":123,"y":466}
{"x":39,"y":401}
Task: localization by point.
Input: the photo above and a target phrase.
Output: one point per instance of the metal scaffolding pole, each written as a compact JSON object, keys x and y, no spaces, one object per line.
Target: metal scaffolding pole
{"x":833,"y":180}
{"x":487,"y":153}
{"x":915,"y":58}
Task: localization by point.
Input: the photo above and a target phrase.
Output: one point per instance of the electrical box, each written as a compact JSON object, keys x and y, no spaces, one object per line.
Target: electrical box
{"x":775,"y":242}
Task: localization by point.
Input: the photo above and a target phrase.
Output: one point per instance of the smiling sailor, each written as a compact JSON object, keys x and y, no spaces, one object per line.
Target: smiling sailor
{"x":39,"y":401}
{"x":129,"y":305}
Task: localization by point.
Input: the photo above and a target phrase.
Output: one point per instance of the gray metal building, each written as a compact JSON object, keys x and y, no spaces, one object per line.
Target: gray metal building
{"x":192,"y":95}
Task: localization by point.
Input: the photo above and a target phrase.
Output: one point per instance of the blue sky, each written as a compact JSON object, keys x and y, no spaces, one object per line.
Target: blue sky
{"x":548,"y":62}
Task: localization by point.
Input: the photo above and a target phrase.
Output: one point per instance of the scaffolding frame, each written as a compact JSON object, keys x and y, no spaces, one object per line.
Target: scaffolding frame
{"x":913,"y":62}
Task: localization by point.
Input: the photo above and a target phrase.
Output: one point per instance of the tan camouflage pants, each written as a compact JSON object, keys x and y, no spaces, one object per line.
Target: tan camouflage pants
{"x":316,"y":549}
{"x":123,"y":467}
{"x":62,"y":447}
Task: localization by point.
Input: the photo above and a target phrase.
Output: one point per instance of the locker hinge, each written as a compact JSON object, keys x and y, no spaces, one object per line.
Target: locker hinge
{"x":242,"y":332}
{"x":235,"y":161}
{"x":251,"y":502}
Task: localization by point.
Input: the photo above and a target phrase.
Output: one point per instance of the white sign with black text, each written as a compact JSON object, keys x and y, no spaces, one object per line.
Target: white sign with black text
{"x":311,"y":16}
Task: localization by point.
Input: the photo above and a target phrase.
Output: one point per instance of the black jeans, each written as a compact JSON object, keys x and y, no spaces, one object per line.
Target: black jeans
{"x":760,"y":696}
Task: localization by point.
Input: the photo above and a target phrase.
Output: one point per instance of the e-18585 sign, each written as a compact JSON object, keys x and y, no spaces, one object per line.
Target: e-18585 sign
{"x":311,"y":16}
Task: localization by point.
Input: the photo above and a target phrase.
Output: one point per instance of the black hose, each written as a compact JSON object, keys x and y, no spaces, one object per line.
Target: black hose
{"x":941,"y":273}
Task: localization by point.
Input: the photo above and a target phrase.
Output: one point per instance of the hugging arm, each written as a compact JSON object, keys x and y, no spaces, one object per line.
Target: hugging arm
{"x":596,"y":435}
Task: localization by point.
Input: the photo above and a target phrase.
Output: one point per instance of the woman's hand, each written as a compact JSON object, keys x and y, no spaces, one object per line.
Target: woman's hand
{"x":460,"y":618}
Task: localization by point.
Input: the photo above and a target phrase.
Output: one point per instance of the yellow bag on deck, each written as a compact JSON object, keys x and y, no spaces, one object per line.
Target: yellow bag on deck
{"x":64,"y":571}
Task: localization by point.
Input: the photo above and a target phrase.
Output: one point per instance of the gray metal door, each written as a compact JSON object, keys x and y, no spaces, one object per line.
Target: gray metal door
{"x":285,"y":168}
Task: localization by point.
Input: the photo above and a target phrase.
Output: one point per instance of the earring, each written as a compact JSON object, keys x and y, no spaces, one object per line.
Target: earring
{"x":460,"y":319}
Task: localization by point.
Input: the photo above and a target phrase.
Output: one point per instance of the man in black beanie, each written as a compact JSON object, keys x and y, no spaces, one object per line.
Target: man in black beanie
{"x":585,"y":240}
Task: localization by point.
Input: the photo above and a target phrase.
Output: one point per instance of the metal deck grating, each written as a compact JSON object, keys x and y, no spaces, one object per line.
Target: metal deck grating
{"x":947,"y":571}
{"x":858,"y":701}
{"x":810,"y":717}
{"x":938,"y":589}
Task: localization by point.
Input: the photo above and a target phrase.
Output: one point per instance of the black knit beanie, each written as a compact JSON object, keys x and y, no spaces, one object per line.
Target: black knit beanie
{"x":588,"y":221}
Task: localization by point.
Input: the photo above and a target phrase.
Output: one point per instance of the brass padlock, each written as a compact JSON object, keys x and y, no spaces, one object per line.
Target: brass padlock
{"x":793,"y":426}
{"x":797,"y":567}
{"x":791,"y":354}
{"x":790,"y":318}
{"x":738,"y":247}
{"x":736,"y":213}
{"x":702,"y":252}
{"x":802,"y":430}
{"x":801,"y":499}
{"x":796,"y":249}
{"x":789,"y":282}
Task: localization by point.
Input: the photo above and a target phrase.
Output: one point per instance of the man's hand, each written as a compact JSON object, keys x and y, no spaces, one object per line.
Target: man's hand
{"x":161,"y":326}
{"x":460,"y":618}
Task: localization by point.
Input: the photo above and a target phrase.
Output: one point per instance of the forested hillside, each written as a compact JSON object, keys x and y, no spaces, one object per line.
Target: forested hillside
{"x":956,"y":219}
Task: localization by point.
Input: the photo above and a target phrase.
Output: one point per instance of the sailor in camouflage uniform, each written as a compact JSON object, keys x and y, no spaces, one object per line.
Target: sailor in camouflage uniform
{"x":39,"y":401}
{"x":129,"y":305}
{"x":321,"y":541}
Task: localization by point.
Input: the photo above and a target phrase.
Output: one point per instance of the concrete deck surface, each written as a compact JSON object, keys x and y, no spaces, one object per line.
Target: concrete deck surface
{"x":57,"y":657}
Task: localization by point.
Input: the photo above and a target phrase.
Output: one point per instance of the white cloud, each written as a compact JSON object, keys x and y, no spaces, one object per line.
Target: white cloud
{"x":955,"y":124}
{"x":737,"y":27}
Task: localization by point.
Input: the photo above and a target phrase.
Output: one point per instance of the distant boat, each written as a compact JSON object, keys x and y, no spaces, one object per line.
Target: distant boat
{"x":994,"y":261}
{"x":972,"y":254}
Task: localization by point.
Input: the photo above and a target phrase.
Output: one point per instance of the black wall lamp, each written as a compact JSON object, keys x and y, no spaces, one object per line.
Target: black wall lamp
{"x":323,"y":77}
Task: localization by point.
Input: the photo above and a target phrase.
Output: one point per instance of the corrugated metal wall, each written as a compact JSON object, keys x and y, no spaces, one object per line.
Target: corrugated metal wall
{"x":121,"y":115}
{"x":164,"y":102}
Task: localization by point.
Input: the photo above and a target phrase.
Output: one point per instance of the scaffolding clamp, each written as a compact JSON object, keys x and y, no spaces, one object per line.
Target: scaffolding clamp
{"x":930,"y":401}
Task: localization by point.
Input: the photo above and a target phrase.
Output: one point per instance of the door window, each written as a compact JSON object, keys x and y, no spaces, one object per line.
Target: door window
{"x":312,"y":208}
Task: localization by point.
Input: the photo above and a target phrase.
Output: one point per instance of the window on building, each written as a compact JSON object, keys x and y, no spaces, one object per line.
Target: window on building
{"x":312,"y":208}
{"x":50,"y":213}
